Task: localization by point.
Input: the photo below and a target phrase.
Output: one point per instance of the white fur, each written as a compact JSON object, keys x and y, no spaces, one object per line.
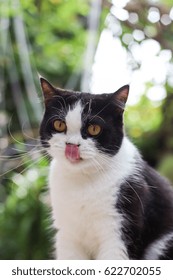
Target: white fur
{"x":158,"y":247}
{"x":84,"y":195}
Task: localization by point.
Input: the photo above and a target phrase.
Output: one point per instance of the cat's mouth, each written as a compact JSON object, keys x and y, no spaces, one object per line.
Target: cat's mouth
{"x":72,"y":153}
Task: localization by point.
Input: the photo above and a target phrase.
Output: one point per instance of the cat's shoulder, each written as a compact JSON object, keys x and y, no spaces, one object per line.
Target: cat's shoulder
{"x":141,"y":180}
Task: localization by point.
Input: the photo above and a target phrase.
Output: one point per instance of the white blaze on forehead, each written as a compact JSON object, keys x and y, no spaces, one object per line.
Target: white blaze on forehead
{"x":73,"y":119}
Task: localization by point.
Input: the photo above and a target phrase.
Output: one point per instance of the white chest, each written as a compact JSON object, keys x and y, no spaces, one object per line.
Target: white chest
{"x":84,"y":211}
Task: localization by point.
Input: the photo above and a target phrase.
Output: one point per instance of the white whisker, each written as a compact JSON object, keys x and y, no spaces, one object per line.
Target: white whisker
{"x":136,"y":195}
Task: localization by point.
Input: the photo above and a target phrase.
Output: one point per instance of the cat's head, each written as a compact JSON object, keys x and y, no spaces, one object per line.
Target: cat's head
{"x":82,"y":129}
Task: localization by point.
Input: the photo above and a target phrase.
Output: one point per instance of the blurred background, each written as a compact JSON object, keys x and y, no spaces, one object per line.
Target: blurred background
{"x":86,"y":45}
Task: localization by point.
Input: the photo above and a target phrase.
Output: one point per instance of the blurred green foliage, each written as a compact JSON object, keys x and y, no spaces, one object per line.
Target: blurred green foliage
{"x":149,"y":123}
{"x":165,"y":166}
{"x":56,"y":31}
{"x":26,"y":230}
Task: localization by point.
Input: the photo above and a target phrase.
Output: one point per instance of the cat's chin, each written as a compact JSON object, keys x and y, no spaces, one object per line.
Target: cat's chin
{"x":85,"y":164}
{"x":74,"y":161}
{"x":79,"y":166}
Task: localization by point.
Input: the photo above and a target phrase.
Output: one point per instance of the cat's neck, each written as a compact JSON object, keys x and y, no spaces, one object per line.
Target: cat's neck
{"x":127,"y":160}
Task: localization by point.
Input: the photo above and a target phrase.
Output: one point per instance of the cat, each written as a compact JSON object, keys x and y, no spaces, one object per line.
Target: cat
{"x":107,"y":202}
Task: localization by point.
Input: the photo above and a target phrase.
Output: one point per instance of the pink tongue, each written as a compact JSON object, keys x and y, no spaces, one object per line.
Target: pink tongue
{"x":72,"y":152}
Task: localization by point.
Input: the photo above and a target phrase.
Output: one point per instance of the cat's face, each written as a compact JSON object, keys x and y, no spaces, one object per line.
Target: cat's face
{"x":82,"y":129}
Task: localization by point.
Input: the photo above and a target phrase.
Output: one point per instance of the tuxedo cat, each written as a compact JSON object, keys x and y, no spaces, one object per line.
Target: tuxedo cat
{"x":107,"y":202}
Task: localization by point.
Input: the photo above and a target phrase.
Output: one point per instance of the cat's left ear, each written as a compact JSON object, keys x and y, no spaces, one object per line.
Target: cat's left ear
{"x":47,"y":89}
{"x":121,"y":96}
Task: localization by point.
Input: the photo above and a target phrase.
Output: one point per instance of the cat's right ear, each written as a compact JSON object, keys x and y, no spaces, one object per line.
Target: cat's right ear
{"x":120,"y":97}
{"x":47,"y":89}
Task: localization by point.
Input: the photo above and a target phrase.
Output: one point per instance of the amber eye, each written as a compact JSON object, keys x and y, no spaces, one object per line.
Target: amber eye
{"x":59,"y":126}
{"x":94,"y":129}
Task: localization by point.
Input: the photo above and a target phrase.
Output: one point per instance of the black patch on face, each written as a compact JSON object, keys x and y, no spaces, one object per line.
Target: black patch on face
{"x":57,"y":107}
{"x":101,"y":110}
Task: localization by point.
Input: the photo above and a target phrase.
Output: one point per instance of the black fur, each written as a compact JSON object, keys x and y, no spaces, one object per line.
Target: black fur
{"x":146,"y":201}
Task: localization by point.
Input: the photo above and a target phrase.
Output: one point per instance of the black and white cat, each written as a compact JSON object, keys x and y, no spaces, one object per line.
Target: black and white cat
{"x":107,"y":202}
